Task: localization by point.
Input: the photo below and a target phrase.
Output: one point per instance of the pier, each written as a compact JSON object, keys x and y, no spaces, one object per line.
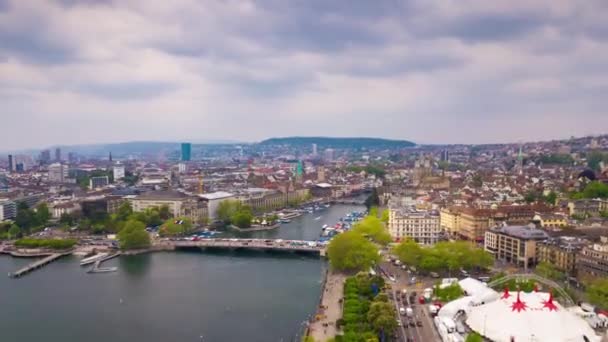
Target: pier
{"x":38,"y":264}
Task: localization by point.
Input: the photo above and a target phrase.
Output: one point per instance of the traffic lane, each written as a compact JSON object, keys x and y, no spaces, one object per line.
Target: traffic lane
{"x":402,"y":329}
{"x":427,"y":331}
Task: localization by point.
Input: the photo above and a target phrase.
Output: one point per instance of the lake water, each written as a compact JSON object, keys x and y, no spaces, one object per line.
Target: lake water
{"x":172,"y":296}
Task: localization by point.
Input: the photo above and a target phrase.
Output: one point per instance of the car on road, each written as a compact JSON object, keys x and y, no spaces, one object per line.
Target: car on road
{"x":402,"y":311}
{"x":398,"y":322}
{"x":412,"y":323}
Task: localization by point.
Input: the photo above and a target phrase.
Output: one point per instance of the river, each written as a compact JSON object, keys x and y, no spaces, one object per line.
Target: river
{"x":170,"y":296}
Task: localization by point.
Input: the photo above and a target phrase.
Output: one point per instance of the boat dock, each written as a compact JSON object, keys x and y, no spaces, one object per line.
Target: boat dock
{"x":38,"y":264}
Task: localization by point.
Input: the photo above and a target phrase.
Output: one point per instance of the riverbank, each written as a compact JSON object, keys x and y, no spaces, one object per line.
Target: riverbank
{"x":255,"y":228}
{"x":323,"y":325}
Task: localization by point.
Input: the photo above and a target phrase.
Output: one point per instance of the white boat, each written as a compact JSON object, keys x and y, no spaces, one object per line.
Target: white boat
{"x":102,"y":270}
{"x":92,"y":259}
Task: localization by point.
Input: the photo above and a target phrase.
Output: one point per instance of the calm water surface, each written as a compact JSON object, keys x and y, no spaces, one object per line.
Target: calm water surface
{"x":178,"y":296}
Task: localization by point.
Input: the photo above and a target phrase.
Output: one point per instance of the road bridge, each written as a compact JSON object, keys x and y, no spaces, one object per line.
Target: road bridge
{"x":250,"y":244}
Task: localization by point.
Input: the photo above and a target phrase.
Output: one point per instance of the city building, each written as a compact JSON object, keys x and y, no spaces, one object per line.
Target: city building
{"x":59,"y":209}
{"x":449,"y":220}
{"x":421,"y":226}
{"x":514,"y":244}
{"x":474,"y":223}
{"x":592,"y":260}
{"x":57,"y":154}
{"x":118,"y":171}
{"x":587,"y":207}
{"x":560,"y":252}
{"x":186,"y":151}
{"x":98,"y":182}
{"x":8,"y":209}
{"x":179,"y":204}
{"x":330,"y":154}
{"x":314,"y":149}
{"x":213,"y":201}
{"x":58,"y":173}
{"x":45,"y":157}
{"x":11,"y":163}
{"x":551,"y":220}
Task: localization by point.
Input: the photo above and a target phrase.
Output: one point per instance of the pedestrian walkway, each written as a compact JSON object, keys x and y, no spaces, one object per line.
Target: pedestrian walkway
{"x":323,"y":326}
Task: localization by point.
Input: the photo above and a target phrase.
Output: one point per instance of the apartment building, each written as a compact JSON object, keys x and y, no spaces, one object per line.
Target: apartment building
{"x":587,"y":207}
{"x":179,"y":204}
{"x":514,"y":244}
{"x":560,"y":252}
{"x":592,"y":260}
{"x":421,"y":226}
{"x":449,"y":220}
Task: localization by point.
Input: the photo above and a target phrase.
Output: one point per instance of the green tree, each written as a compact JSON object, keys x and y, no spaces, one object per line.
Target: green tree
{"x":545,"y":269}
{"x":226,"y":209}
{"x":477,"y":181}
{"x":242,"y":219}
{"x":595,"y":158}
{"x":373,"y":200}
{"x":176,"y":227}
{"x":164,"y":212}
{"x":67,"y":219}
{"x":14,"y":232}
{"x":134,"y":236}
{"x":372,"y":227}
{"x":551,"y":198}
{"x":373,"y":211}
{"x":474,"y":337}
{"x":350,"y":251}
{"x":43,"y":214}
{"x":597,"y":292}
{"x":124,"y":211}
{"x":382,"y":318}
{"x":385,"y":216}
{"x":26,"y":218}
{"x":409,"y":252}
{"x":596,"y":190}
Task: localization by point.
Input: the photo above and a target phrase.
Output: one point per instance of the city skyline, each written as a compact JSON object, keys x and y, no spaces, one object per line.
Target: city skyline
{"x":425,"y":71}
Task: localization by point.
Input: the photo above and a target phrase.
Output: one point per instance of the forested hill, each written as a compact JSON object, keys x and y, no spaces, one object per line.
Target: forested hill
{"x":351,"y":143}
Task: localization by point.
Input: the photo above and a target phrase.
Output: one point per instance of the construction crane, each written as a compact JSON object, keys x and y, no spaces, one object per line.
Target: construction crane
{"x":200,"y":183}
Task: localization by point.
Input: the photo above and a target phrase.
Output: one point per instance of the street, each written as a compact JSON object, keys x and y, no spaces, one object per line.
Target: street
{"x":419,"y":327}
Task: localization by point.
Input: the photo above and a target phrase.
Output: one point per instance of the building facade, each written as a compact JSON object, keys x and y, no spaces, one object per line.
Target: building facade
{"x":421,"y":226}
{"x":592,"y":261}
{"x":186,"y":151}
{"x":514,"y":244}
{"x":560,"y":252}
{"x":99,"y":182}
{"x":58,"y":173}
{"x":8,"y":210}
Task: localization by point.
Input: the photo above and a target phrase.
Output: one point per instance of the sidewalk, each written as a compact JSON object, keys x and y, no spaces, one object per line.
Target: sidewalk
{"x":323,"y":326}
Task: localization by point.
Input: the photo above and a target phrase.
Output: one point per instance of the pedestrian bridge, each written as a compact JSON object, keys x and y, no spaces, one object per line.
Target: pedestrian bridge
{"x":250,"y":244}
{"x":565,"y":298}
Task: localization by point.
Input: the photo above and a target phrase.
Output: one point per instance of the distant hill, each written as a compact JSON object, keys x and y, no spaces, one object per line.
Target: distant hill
{"x":328,"y":142}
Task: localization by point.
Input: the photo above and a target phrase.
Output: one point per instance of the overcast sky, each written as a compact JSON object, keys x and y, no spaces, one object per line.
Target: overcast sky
{"x":431,"y":71}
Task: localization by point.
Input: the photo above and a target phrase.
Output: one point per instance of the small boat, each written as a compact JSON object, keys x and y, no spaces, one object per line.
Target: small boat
{"x":284,"y":220}
{"x":318,"y":218}
{"x":102,"y":270}
{"x":94,"y":258}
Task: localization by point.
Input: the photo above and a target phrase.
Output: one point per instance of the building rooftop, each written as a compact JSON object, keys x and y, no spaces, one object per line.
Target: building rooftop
{"x":162,"y":195}
{"x":522,"y":232}
{"x":216,"y":195}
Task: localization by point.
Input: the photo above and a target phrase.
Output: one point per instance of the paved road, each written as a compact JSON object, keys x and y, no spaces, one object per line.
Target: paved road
{"x":425,"y":333}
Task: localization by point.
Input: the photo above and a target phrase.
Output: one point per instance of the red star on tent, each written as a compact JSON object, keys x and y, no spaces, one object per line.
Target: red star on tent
{"x":549,"y":303}
{"x":518,"y":305}
{"x":505,"y":294}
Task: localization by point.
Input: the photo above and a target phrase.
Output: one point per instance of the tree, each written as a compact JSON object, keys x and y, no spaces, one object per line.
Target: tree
{"x":551,"y":198}
{"x":477,"y":181}
{"x":350,"y":251}
{"x":474,"y":337}
{"x":67,"y":219}
{"x":134,"y":236}
{"x":373,"y":211}
{"x":545,"y":269}
{"x":372,"y":227}
{"x":42,"y":214}
{"x":176,"y":227}
{"x":595,"y":158}
{"x":26,"y":218}
{"x":409,"y":252}
{"x":14,"y":232}
{"x":382,"y":318}
{"x":226,"y":209}
{"x":242,"y":219}
{"x":597,"y":292}
{"x":373,"y":200}
{"x":385,"y":216}
{"x":124,"y":211}
{"x":164,"y":212}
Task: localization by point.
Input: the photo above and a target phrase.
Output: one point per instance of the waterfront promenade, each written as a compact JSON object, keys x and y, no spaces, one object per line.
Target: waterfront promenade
{"x":323,"y":326}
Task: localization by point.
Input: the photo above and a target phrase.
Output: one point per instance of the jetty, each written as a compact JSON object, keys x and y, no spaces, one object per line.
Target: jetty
{"x":38,"y":264}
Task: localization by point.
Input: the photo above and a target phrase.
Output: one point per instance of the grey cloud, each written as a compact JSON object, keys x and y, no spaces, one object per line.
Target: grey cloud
{"x":126,"y":91}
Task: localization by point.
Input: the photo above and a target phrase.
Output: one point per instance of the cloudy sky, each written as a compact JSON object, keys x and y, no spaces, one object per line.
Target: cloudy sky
{"x":432,"y":71}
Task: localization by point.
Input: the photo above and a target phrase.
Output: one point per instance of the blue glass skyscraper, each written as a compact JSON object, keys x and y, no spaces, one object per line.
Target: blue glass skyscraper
{"x":186,"y":151}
